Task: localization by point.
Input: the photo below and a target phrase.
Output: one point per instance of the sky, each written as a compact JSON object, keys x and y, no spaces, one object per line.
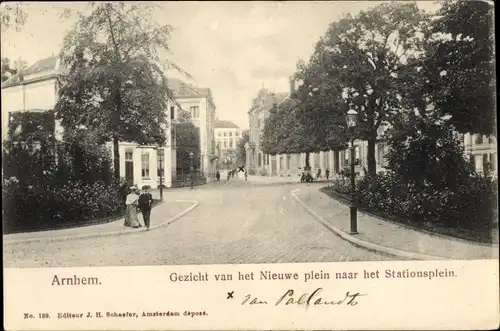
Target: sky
{"x":234,"y":48}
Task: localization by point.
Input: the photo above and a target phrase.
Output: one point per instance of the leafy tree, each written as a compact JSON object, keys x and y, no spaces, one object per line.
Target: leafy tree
{"x":12,"y":15}
{"x":269,"y":142}
{"x":187,"y":137}
{"x":364,"y":60}
{"x":285,"y":133}
{"x":459,"y":65}
{"x":10,"y":69}
{"x":115,"y":84}
{"x":426,"y":153}
{"x":241,"y":152}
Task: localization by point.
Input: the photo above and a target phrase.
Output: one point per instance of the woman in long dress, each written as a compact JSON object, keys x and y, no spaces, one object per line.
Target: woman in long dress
{"x":131,"y":212}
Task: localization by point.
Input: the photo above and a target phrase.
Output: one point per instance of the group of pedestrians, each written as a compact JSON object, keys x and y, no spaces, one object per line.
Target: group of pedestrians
{"x":134,"y":203}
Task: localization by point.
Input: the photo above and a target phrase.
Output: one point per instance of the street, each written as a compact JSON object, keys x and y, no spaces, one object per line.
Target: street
{"x":241,"y":222}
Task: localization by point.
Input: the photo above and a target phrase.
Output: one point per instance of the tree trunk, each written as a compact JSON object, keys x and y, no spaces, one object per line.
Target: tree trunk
{"x":307,"y":167}
{"x":372,"y":164}
{"x":116,"y":159}
{"x":336,"y":159}
{"x":115,"y":128}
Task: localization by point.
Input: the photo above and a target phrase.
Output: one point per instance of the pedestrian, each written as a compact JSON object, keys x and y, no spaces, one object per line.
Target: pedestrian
{"x":318,"y":175}
{"x":327,"y":173}
{"x":131,"y":202}
{"x":217,"y":175}
{"x":246,"y":175}
{"x":145,"y":204}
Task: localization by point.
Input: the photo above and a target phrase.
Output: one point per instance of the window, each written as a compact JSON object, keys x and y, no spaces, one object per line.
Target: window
{"x":230,"y":134}
{"x":195,"y":111}
{"x":145,"y":165}
{"x":381,"y":155}
{"x":225,"y":143}
{"x":493,"y":160}
{"x":237,"y":134}
{"x":128,"y":156}
{"x":485,"y":161}
{"x":172,"y":113}
{"x":479,"y":139}
{"x":230,"y":144}
{"x":225,"y":134}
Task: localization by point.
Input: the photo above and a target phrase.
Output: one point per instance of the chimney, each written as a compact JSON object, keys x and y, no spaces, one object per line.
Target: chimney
{"x":292,"y":85}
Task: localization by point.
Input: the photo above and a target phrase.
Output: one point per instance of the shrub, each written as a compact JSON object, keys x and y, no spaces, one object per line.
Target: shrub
{"x":51,"y":183}
{"x":470,"y":205}
{"x":429,"y":180}
{"x":342,"y":186}
{"x":38,"y":207}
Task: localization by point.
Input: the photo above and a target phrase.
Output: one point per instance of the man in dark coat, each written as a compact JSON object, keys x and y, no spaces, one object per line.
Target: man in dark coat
{"x":145,"y":205}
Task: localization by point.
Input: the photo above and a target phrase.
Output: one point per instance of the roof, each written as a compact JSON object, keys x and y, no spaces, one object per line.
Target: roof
{"x":45,"y":65}
{"x":266,"y":99}
{"x":182,"y":89}
{"x":220,"y":124}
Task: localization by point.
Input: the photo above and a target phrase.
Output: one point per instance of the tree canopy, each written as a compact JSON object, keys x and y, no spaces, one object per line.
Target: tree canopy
{"x":12,"y":15}
{"x":459,"y":65}
{"x":368,"y":60}
{"x":114,"y":84}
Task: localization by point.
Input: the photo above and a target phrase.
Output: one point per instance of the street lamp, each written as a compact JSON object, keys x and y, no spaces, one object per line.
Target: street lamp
{"x":191,"y":167}
{"x":351,"y":120}
{"x":160,"y":159}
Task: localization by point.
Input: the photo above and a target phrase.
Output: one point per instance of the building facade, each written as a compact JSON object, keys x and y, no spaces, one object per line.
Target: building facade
{"x":294,"y":164}
{"x":482,"y":151}
{"x":199,"y":103}
{"x":257,"y":162}
{"x":227,"y":137}
{"x":35,"y":90}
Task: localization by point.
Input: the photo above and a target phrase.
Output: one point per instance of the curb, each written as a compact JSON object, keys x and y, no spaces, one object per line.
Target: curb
{"x":362,"y":243}
{"x":342,"y":201}
{"x":106,"y":234}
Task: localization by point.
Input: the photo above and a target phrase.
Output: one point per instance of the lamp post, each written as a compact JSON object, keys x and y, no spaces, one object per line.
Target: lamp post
{"x":191,"y":168}
{"x":351,"y":120}
{"x":160,"y":159}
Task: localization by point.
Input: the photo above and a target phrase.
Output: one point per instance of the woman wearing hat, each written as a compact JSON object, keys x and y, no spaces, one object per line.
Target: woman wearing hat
{"x":131,"y":212}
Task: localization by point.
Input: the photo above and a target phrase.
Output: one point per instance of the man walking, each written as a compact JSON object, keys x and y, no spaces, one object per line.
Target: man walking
{"x":145,"y":205}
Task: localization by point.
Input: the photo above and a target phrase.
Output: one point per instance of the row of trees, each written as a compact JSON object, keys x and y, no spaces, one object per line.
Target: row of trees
{"x":390,"y":62}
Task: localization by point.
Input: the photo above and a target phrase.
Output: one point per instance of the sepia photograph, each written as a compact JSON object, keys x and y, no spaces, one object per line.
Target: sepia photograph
{"x":138,"y":134}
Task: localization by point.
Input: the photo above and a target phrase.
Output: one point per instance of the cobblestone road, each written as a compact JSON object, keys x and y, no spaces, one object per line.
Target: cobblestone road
{"x":243,"y":222}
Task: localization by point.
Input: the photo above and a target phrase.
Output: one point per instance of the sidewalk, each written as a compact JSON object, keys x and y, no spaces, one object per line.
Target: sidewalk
{"x":160,"y":214}
{"x":377,"y":232}
{"x":278,"y":179}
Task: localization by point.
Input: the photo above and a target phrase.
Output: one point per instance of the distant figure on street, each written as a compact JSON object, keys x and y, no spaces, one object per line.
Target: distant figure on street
{"x":228,"y":174}
{"x":318,"y":175}
{"x":132,"y":201}
{"x":145,"y":204}
{"x":327,"y":173}
{"x":246,"y":175}
{"x":217,"y":175}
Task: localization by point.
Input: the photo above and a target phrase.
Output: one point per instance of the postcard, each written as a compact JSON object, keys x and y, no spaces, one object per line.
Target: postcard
{"x":249,"y":165}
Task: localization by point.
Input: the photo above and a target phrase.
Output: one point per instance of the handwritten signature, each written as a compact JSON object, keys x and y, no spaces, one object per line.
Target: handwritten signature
{"x":290,"y":298}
